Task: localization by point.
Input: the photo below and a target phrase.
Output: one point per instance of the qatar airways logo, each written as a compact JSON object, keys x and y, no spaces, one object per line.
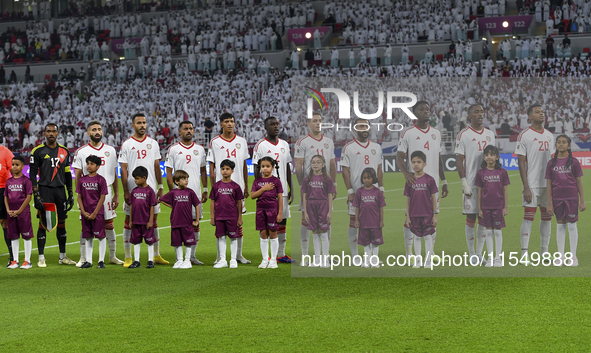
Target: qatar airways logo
{"x":345,"y":108}
{"x":15,"y":187}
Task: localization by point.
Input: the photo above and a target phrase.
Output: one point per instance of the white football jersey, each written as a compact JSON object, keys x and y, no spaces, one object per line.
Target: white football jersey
{"x":108,"y":157}
{"x":307,"y":147}
{"x":235,"y":150}
{"x":538,"y":148}
{"x":190,"y":159}
{"x":471,"y":143}
{"x":358,"y":156}
{"x":428,"y":141}
{"x":140,"y":153}
{"x":280,"y":153}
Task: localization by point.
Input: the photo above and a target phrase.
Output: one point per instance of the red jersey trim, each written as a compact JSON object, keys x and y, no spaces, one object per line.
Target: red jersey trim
{"x":366,"y":146}
{"x":321,"y":137}
{"x":181,"y":144}
{"x":479,"y":133}
{"x":423,"y":131}
{"x":145,"y":137}
{"x":274,"y":144}
{"x":94,"y":148}
{"x":220,"y":136}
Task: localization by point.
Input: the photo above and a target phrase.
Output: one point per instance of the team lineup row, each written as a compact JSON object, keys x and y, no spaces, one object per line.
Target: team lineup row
{"x":551,"y":183}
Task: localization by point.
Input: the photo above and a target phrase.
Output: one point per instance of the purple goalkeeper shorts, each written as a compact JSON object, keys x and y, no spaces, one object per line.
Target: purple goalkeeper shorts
{"x":94,"y":229}
{"x":266,"y":219}
{"x":568,"y":209}
{"x":492,"y":219}
{"x":20,"y":225}
{"x":139,"y":232}
{"x":421,"y":226}
{"x":227,"y":227}
{"x":317,"y":211}
{"x":370,"y":236}
{"x":182,"y":235}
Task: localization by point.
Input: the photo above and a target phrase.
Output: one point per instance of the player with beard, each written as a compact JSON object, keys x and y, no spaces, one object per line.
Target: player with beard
{"x":189,"y":156}
{"x":278,"y":149}
{"x":470,"y":145}
{"x":421,"y":137}
{"x":52,"y":162}
{"x":108,"y":170}
{"x":355,"y":157}
{"x":140,"y":150}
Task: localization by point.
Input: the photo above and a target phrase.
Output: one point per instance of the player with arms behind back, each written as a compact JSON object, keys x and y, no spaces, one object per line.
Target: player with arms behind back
{"x":108,"y":170}
{"x":140,"y":151}
{"x":421,"y":137}
{"x":535,"y":146}
{"x":470,"y":146}
{"x":315,"y":143}
{"x":232,"y":147}
{"x":189,"y":156}
{"x":278,"y":149}
{"x":355,"y":157}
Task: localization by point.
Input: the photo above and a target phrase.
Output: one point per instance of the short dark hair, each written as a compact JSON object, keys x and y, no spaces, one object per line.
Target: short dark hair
{"x":52,"y":124}
{"x":94,"y":122}
{"x":140,"y":172}
{"x":473,"y":106}
{"x":225,"y":116}
{"x":414,"y":107}
{"x":94,"y":159}
{"x":185,"y":122}
{"x":419,"y":154}
{"x":530,"y":109}
{"x":268,"y":119}
{"x":19,"y":158}
{"x":137,"y":115}
{"x":178,"y":175}
{"x":317,"y":112}
{"x":227,"y":163}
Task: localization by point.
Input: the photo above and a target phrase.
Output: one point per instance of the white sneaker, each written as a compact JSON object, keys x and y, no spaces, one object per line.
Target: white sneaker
{"x":427,"y":264}
{"x":41,"y":263}
{"x":196,"y":261}
{"x":305,"y":262}
{"x":575,"y":262}
{"x":185,"y":265}
{"x":498,"y":263}
{"x":365,"y":265}
{"x":216,"y":261}
{"x":272,"y":263}
{"x":489,"y":263}
{"x":221,"y":264}
{"x":417,"y":264}
{"x":312,"y":264}
{"x":524,"y":261}
{"x":264,"y":263}
{"x":242,"y":260}
{"x":81,"y":262}
{"x":177,"y":264}
{"x":115,"y":261}
{"x":326,"y":264}
{"x":474,"y":260}
{"x":233,"y":264}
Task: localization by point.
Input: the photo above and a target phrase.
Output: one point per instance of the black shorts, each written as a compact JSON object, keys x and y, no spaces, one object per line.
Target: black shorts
{"x":56,"y":196}
{"x":3,"y":213}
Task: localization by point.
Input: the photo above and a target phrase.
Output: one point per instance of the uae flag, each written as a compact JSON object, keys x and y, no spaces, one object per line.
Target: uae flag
{"x":49,"y":217}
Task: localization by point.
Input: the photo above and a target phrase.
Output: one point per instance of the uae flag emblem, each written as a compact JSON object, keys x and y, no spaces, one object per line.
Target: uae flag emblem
{"x":49,"y":217}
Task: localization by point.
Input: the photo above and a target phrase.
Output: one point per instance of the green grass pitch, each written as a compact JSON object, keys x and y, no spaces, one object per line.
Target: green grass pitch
{"x":62,"y":308}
